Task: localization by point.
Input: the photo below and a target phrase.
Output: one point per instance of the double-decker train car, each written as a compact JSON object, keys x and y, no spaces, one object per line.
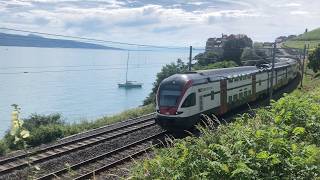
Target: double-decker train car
{"x":182,"y":98}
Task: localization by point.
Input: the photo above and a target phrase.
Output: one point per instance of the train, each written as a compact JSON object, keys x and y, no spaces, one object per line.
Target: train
{"x":181,"y":99}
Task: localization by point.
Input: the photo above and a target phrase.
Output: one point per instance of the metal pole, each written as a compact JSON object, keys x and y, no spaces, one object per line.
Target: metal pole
{"x":127,"y":67}
{"x":302,"y":70}
{"x":190,"y":58}
{"x":272,"y":71}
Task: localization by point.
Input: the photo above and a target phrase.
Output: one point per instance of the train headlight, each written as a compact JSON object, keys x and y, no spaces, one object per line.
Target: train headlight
{"x":179,"y":112}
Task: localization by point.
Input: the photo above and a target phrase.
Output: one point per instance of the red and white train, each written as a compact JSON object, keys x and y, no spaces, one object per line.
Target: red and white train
{"x":182,"y":98}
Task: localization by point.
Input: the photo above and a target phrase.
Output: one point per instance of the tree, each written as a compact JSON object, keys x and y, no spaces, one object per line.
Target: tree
{"x":204,"y":59}
{"x":314,"y":60}
{"x":253,"y":56}
{"x":233,"y":47}
{"x":249,"y":54}
{"x":166,"y":71}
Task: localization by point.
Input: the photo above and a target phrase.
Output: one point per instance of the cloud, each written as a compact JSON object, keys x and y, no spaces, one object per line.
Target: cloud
{"x":168,"y":29}
{"x":299,"y":12}
{"x":161,"y":22}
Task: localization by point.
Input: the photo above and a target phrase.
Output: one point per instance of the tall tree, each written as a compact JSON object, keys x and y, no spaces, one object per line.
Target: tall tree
{"x":204,"y":59}
{"x":233,"y":47}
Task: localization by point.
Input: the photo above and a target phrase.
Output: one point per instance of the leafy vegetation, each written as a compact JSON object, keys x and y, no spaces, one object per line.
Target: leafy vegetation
{"x":253,"y":56}
{"x":48,"y":128}
{"x":166,"y":71}
{"x":280,"y":142}
{"x":233,"y":48}
{"x":3,"y":147}
{"x":217,"y":65}
{"x":204,"y":59}
{"x":314,"y":60}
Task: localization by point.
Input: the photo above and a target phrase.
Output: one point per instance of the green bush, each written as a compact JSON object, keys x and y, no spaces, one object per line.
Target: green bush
{"x":9,"y":140}
{"x":45,"y":134}
{"x":3,"y":147}
{"x":280,"y":142}
{"x":35,"y":120}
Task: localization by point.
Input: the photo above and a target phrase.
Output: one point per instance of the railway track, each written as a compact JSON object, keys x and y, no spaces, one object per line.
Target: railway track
{"x":91,"y":167}
{"x":21,"y":161}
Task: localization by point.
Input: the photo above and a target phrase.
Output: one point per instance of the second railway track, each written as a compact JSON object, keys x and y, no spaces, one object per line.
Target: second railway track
{"x":91,"y":167}
{"x":7,"y":165}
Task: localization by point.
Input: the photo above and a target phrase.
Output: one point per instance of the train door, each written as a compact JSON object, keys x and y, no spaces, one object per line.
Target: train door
{"x":201,"y":103}
{"x":254,"y":87}
{"x":223,"y":96}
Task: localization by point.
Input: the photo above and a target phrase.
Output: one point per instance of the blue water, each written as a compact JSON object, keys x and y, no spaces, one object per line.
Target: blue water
{"x":80,"y":84}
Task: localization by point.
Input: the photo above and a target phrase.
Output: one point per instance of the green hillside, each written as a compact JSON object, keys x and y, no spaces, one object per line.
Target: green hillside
{"x":309,"y":36}
{"x":312,"y":38}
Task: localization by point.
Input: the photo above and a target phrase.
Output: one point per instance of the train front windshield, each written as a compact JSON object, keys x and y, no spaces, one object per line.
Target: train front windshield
{"x":169,"y":98}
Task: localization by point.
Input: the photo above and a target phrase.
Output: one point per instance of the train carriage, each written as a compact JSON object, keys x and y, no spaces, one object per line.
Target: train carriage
{"x":182,"y":98}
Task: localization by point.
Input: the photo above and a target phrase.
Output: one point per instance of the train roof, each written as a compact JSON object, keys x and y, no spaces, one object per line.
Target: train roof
{"x":204,"y":76}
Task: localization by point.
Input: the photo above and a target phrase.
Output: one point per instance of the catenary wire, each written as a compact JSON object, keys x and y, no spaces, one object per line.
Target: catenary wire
{"x":92,"y":39}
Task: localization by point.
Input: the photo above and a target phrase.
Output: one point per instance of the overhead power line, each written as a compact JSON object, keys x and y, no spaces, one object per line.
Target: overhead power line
{"x":94,"y":39}
{"x":73,"y":66}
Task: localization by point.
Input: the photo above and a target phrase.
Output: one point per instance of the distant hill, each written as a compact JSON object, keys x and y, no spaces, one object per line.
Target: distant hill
{"x":309,"y":36}
{"x":312,"y":38}
{"x":32,"y":40}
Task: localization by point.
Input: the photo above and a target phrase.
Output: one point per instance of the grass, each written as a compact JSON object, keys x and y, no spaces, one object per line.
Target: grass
{"x":312,"y":38}
{"x":300,"y":44}
{"x":311,"y":35}
{"x":280,"y":142}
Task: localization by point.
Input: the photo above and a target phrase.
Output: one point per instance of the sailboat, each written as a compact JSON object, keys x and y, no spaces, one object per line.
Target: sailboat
{"x":129,"y":84}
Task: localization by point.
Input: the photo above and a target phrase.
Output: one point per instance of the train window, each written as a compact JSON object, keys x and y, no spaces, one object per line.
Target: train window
{"x":259,"y":82}
{"x":169,"y":98}
{"x":230,"y":99}
{"x":230,"y":80}
{"x":249,"y":92}
{"x":246,"y":93}
{"x":235,"y":97}
{"x":190,"y":101}
{"x":212,"y":95}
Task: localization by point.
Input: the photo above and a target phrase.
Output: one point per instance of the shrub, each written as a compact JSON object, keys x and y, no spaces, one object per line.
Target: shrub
{"x":36,"y":120}
{"x":45,"y":134}
{"x":10,"y":142}
{"x":3,"y":147}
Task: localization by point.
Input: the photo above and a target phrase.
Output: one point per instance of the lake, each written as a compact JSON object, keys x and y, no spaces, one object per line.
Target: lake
{"x":81,"y":84}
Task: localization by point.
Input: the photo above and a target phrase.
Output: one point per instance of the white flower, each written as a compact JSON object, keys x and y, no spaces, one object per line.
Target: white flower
{"x":24,"y":134}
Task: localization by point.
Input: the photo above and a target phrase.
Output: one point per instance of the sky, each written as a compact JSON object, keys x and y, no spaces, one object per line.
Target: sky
{"x":162,"y":22}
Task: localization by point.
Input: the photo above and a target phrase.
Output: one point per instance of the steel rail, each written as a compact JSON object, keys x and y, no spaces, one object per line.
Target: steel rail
{"x":102,"y":156}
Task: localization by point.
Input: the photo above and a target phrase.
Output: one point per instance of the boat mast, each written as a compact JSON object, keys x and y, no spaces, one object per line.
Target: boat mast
{"x":127,"y":67}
